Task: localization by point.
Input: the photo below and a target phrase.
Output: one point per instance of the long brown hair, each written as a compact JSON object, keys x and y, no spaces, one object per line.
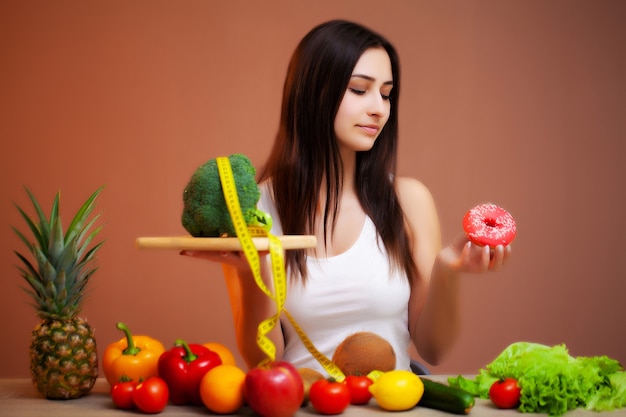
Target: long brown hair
{"x":305,"y":151}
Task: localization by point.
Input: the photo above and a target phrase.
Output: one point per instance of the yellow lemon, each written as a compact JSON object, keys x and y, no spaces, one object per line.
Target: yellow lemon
{"x":397,"y":390}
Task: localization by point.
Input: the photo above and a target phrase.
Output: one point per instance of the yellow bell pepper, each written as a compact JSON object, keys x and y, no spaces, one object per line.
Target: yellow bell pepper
{"x":131,"y":358}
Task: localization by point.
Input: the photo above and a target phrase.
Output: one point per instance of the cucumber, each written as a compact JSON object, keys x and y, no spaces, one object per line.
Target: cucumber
{"x":445,"y":398}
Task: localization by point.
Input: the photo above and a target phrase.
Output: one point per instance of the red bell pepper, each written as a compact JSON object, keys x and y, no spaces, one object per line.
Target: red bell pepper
{"x":183,"y":367}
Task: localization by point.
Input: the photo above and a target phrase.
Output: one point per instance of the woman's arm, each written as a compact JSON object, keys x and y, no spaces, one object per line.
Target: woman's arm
{"x":433,"y":313}
{"x":434,"y":318}
{"x":253,"y":305}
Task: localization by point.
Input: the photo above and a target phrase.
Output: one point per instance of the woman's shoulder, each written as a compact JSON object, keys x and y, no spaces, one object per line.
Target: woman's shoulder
{"x":416,"y":200}
{"x":413,"y":190}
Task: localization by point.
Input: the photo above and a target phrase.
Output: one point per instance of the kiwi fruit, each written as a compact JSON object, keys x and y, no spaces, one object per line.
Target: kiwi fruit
{"x":309,"y":376}
{"x":363,"y":352}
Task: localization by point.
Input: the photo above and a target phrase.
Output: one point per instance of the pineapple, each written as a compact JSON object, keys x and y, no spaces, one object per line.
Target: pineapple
{"x":63,"y":356}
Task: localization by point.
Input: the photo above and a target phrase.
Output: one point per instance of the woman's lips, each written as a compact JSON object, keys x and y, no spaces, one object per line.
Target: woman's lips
{"x":371,"y":130}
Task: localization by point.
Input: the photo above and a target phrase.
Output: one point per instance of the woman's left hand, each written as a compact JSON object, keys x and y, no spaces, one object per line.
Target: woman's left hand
{"x":464,"y":256}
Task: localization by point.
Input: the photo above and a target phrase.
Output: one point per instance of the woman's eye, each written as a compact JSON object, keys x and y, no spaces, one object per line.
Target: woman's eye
{"x":361,"y":92}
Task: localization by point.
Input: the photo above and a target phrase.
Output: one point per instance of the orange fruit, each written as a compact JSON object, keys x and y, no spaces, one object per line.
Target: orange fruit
{"x":221,"y":389}
{"x":224,"y":353}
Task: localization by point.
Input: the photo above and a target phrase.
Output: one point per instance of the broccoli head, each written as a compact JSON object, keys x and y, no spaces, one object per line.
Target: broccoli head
{"x":205,"y":213}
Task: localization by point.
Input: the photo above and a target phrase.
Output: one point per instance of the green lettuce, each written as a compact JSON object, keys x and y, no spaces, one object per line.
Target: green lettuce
{"x":551,"y":380}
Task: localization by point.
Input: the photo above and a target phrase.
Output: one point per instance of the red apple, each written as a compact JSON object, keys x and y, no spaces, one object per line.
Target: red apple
{"x":274,"y":391}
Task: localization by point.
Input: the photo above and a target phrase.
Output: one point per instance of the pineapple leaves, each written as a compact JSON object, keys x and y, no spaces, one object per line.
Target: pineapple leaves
{"x":41,"y":240}
{"x":32,"y":277}
{"x":44,"y":225}
{"x":82,"y":247}
{"x":46,"y":270}
{"x":56,"y":238}
{"x":62,"y":261}
{"x":76,"y":226}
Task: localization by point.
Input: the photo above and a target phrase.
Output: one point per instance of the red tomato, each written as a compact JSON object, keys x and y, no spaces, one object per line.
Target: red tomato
{"x":359,"y":387}
{"x":329,"y":397}
{"x":122,"y":394}
{"x":151,"y":395}
{"x":505,"y":393}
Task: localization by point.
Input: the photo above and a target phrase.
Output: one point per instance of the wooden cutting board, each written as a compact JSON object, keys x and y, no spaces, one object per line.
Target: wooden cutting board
{"x":222,"y":243}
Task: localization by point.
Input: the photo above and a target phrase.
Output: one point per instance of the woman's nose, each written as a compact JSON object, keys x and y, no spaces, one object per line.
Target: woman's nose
{"x":377,"y":106}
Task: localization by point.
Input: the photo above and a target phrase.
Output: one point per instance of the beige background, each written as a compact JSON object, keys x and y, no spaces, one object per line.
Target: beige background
{"x":518,"y":102}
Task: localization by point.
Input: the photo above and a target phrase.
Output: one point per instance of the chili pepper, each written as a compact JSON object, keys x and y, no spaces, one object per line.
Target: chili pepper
{"x":132,"y":357}
{"x":183,"y":367}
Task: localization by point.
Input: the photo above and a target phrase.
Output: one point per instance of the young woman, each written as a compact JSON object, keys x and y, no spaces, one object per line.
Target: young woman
{"x":379,"y":265}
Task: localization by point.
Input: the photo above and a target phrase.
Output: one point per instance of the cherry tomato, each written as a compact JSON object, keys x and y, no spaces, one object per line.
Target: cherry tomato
{"x":151,"y":395}
{"x":359,"y":387}
{"x":505,"y":393}
{"x":122,"y":394}
{"x":329,"y":397}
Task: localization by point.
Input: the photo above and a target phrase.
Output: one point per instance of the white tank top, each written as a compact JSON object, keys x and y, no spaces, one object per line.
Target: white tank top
{"x":352,"y":292}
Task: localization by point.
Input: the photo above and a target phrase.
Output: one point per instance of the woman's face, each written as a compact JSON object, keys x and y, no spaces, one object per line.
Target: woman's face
{"x":365,"y":106}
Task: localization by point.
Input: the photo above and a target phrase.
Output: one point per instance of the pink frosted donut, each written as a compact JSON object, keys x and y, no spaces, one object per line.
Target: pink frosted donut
{"x":489,"y":225}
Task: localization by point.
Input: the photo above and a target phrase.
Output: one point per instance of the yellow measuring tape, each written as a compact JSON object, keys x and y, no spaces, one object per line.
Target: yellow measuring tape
{"x":245,"y":233}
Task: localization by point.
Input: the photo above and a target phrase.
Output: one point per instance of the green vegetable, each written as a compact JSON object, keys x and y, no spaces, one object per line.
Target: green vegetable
{"x":552,"y":381}
{"x":205,"y":213}
{"x":444,"y":398}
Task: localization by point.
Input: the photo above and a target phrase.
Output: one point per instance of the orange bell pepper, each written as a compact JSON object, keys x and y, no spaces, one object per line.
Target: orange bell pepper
{"x":131,"y":358}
